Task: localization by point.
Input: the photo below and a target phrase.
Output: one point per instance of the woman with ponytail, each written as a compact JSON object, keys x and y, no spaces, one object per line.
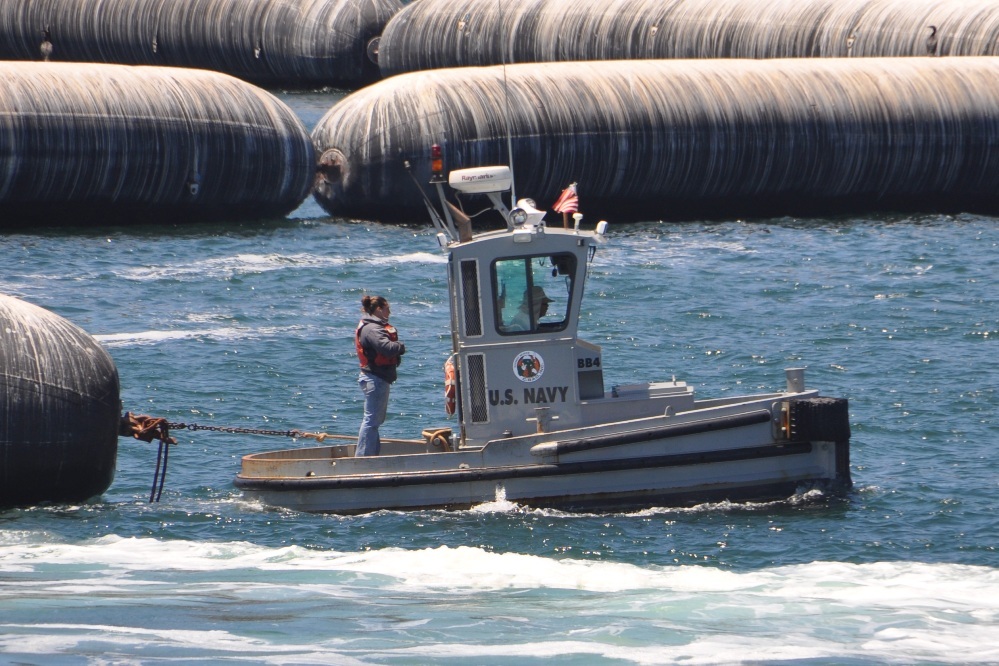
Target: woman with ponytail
{"x":379,"y":352}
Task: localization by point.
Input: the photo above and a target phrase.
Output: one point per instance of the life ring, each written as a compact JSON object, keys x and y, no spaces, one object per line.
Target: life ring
{"x":450,"y":386}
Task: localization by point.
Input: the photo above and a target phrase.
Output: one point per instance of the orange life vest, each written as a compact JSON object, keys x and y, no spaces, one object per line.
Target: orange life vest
{"x":379,"y":359}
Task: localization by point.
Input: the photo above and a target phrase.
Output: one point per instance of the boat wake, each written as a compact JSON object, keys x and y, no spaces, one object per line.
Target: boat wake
{"x":499,"y":505}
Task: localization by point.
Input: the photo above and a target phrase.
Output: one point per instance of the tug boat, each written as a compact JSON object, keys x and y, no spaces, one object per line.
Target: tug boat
{"x":536,"y":424}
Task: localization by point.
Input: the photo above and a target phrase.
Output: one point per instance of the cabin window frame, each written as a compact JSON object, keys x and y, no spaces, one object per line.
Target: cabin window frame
{"x":539,"y":270}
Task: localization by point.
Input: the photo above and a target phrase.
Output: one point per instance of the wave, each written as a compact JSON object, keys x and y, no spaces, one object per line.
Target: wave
{"x":140,"y":338}
{"x":476,"y":568}
{"x":432,"y":605}
{"x":152,"y":337}
{"x":251,"y":264}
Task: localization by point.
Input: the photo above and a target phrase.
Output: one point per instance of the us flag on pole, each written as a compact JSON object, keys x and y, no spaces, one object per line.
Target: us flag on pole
{"x":567,"y":202}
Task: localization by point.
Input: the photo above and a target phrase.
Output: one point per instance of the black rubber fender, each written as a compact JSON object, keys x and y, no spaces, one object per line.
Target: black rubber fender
{"x":116,"y":144}
{"x":300,"y":43}
{"x":679,"y":139}
{"x":433,"y":34}
{"x":59,"y":409}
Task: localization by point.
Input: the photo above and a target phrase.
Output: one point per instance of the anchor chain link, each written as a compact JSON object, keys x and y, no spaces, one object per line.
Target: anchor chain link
{"x":148,"y":428}
{"x":236,"y":431}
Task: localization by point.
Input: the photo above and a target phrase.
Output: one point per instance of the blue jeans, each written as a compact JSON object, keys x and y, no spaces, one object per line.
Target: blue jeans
{"x":376,"y":397}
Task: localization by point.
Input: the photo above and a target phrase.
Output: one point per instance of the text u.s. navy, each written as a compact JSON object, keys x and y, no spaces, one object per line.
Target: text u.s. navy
{"x":532,"y":395}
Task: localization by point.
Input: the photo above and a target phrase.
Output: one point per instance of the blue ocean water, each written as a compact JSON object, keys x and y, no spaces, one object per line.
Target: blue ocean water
{"x":250,"y":325}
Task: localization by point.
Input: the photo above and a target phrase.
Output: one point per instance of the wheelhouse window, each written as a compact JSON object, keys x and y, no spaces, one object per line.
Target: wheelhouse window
{"x":533,"y":293}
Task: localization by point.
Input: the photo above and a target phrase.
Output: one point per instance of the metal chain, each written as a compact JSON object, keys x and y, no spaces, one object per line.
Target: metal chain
{"x":238,"y":431}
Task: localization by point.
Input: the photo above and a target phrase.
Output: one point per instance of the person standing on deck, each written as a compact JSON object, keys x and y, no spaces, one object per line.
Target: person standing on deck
{"x":380,"y":352}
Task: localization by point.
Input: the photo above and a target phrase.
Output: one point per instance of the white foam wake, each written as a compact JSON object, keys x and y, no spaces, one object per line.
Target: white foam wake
{"x":477,"y":568}
{"x":870,"y":613}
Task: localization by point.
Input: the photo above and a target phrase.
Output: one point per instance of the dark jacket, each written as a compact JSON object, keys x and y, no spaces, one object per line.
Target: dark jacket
{"x":378,"y":348}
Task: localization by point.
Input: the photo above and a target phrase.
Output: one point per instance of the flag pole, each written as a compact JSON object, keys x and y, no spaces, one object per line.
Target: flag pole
{"x":506,"y":98}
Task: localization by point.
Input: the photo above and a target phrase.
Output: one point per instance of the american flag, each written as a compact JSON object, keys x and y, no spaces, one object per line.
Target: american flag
{"x":567,"y":202}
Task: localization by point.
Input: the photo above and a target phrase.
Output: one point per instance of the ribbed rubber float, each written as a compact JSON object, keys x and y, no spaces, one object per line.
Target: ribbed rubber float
{"x":59,"y":409}
{"x":269,"y":42}
{"x":109,"y":143}
{"x":669,"y":139}
{"x":455,"y":33}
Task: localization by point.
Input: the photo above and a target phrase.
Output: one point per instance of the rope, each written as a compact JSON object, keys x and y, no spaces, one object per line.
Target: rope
{"x":295,"y":434}
{"x":148,"y":428}
{"x":440,"y":435}
{"x":164,"y":451}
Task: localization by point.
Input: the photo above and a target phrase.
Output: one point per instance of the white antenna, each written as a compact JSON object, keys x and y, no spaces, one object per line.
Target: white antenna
{"x":506,"y":99}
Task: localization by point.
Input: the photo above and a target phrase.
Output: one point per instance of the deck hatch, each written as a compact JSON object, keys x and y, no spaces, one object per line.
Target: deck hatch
{"x":470,"y":297}
{"x":477,"y":387}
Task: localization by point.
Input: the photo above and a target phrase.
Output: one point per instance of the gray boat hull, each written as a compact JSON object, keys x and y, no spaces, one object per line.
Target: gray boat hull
{"x":712,"y":454}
